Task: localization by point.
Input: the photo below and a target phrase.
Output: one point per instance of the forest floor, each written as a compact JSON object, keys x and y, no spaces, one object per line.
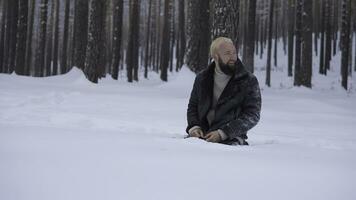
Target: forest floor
{"x":65,"y":138}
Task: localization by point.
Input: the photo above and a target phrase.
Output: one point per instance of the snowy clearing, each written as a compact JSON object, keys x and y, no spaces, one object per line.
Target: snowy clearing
{"x":65,"y":138}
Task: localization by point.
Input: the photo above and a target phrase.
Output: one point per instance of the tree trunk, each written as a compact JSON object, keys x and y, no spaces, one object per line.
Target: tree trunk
{"x":307,"y":53}
{"x":165,"y":42}
{"x":198,"y":35}
{"x":21,"y":38}
{"x":40,"y":52}
{"x":345,"y":41}
{"x":250,"y":37}
{"x":95,"y":47}
{"x":181,"y":36}
{"x":117,"y":35}
{"x":56,"y":38}
{"x":28,"y":59}
{"x":225,"y":19}
{"x":64,"y":61}
{"x":269,"y":50}
{"x":49,"y":43}
{"x":133,"y":44}
{"x":291,"y":22}
{"x":148,"y":36}
{"x":80,"y":32}
{"x":2,"y":35}
{"x":328,"y":33}
{"x":298,"y":42}
{"x":322,"y":69}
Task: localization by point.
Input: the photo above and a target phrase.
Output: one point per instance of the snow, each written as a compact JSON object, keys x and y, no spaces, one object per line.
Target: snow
{"x":63,"y":137}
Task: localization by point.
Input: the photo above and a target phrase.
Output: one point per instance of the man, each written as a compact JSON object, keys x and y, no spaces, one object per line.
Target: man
{"x":225,"y":101}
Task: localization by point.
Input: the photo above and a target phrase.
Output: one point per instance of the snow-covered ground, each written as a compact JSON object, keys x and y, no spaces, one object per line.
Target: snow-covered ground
{"x":63,"y":138}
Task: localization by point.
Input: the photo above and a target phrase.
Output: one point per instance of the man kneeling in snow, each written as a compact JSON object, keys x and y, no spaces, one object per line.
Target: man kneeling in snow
{"x":225,"y":101}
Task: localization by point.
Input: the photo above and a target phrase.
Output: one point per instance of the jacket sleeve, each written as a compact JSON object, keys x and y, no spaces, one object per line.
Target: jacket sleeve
{"x":250,"y":112}
{"x":192,"y":111}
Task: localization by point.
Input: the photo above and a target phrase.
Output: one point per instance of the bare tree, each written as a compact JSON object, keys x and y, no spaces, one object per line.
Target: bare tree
{"x":117,"y":28}
{"x":198,"y":35}
{"x":64,"y":57}
{"x":298,"y":42}
{"x":269,"y":49}
{"x":248,"y":56}
{"x":40,"y":50}
{"x":148,"y":37}
{"x":133,"y":44}
{"x":345,"y":41}
{"x":28,"y":59}
{"x":291,"y":22}
{"x":165,"y":42}
{"x":21,"y":38}
{"x":180,"y":49}
{"x":307,"y":44}
{"x":56,"y":38}
{"x":95,"y":48}
{"x":80,"y":32}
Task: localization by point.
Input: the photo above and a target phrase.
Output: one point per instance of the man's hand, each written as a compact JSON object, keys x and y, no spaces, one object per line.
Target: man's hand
{"x":197,"y":133}
{"x":213,"y":136}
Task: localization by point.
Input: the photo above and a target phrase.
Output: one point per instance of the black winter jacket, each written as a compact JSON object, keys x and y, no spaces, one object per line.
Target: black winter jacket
{"x":238,"y":108}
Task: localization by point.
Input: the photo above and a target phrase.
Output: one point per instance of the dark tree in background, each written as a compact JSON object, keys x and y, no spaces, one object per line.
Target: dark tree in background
{"x":298,"y":41}
{"x":322,"y":69}
{"x":345,"y":41}
{"x":95,"y":44}
{"x":291,"y":22}
{"x":21,"y":38}
{"x":56,"y":38}
{"x":133,"y":44}
{"x":249,"y":47}
{"x":64,"y":57}
{"x":165,"y":42}
{"x":40,"y":49}
{"x":28,"y":59}
{"x":148,"y":35}
{"x":269,"y":48}
{"x":10,"y":33}
{"x":198,"y":35}
{"x":307,"y":44}
{"x":80,"y":32}
{"x":117,"y":34}
{"x":225,"y":19}
{"x":180,"y":48}
{"x":49,"y":42}
{"x":2,"y":35}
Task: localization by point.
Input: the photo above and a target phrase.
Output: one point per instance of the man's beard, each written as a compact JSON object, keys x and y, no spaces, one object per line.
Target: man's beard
{"x":226,"y":68}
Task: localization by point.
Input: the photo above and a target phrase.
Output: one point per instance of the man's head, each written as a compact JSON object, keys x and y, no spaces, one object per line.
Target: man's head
{"x":223,"y":51}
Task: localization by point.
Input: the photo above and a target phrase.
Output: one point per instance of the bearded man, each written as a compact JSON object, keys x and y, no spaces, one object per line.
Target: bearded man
{"x":225,"y":101}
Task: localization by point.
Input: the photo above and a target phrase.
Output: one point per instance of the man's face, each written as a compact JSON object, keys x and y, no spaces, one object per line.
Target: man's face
{"x":227,"y":53}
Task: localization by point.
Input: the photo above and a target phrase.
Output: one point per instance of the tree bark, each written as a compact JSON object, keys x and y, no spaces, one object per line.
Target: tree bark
{"x":80,"y":32}
{"x":248,"y":56}
{"x":40,"y":52}
{"x":269,"y":50}
{"x":95,"y":44}
{"x":198,"y":35}
{"x":21,"y":38}
{"x":345,"y":41}
{"x":298,"y":42}
{"x":291,"y":22}
{"x":117,"y":26}
{"x":307,"y":44}
{"x":133,"y":44}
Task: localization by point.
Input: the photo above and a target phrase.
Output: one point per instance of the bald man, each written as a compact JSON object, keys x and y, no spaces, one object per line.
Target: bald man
{"x":225,"y":101}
